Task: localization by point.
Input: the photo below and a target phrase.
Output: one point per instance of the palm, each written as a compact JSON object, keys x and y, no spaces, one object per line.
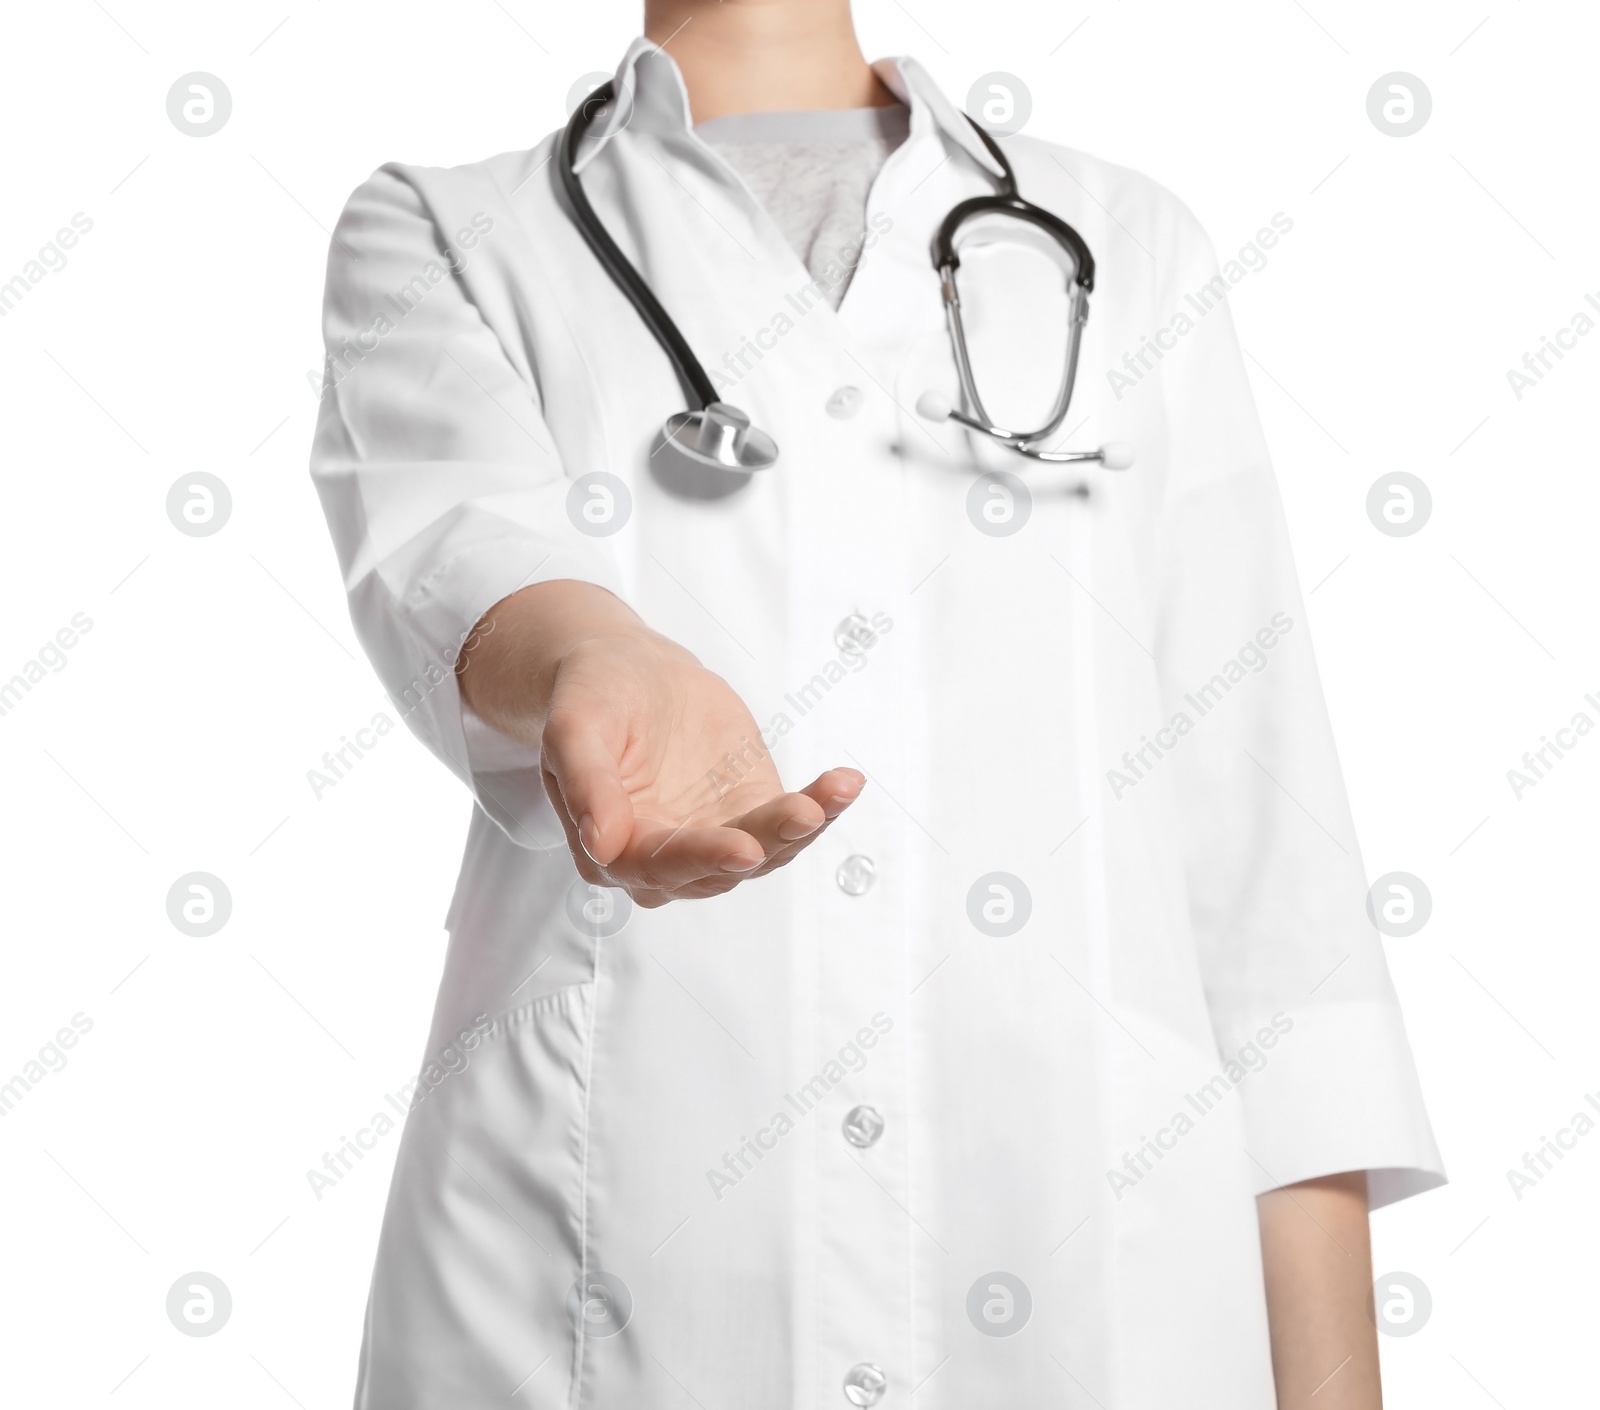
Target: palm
{"x":675,"y":793}
{"x":697,"y":756}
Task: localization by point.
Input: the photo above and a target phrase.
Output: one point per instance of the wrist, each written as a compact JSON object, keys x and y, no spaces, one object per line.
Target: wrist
{"x":521,"y":644}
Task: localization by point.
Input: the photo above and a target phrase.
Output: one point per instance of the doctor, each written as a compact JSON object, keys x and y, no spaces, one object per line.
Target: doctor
{"x":1015,"y":1033}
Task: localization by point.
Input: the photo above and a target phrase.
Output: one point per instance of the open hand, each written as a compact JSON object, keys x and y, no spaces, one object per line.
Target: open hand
{"x":659,"y":776}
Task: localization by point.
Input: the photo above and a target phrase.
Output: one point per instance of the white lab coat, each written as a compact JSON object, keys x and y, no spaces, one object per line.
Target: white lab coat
{"x":1196,"y":1008}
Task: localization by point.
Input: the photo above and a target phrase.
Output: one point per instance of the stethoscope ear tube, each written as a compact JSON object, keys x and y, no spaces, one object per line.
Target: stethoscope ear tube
{"x":1114,"y":455}
{"x":945,"y":257}
{"x":1007,"y":201}
{"x":696,"y":384}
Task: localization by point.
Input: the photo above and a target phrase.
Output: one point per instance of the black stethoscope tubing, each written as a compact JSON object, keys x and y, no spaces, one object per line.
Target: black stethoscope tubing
{"x":714,"y":434}
{"x":693,"y":376}
{"x":1006,"y":201}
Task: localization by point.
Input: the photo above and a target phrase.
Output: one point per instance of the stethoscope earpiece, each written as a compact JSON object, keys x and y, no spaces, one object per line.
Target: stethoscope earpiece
{"x":1116,"y":455}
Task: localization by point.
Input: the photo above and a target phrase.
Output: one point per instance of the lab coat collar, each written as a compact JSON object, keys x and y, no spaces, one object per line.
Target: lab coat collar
{"x":913,"y":85}
{"x":654,"y":99}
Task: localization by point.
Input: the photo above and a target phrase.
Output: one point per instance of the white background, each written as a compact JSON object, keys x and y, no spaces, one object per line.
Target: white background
{"x":178,"y":736}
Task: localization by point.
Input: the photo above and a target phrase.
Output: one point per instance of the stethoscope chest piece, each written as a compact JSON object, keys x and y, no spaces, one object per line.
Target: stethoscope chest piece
{"x":710,"y":453}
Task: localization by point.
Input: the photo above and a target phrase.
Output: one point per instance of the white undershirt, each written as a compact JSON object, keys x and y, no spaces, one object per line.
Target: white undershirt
{"x":811,"y":171}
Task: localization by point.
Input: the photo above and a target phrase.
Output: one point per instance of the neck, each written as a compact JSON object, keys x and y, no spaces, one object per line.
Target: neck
{"x":755,"y":56}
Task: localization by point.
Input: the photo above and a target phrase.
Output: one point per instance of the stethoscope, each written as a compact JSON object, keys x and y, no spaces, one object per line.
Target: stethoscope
{"x":713,"y":435}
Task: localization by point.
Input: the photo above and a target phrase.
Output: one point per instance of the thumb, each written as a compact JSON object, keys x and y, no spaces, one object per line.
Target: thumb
{"x":584,"y":764}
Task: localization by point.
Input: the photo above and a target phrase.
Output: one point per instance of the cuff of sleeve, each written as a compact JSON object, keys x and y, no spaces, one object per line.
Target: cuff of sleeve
{"x":1340,"y":1092}
{"x":503,"y":773}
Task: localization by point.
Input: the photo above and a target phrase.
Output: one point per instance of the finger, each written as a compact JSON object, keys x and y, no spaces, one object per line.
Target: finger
{"x":792,"y":817}
{"x":660,"y":858}
{"x":711,"y":886}
{"x":585,"y":864}
{"x":781,"y":821}
{"x":648,"y":899}
{"x":640,"y":888}
{"x":832,"y":792}
{"x":807,"y":814}
{"x":584,"y":766}
{"x":836,"y":790}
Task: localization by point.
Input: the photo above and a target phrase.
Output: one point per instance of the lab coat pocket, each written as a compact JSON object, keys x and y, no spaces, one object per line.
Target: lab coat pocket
{"x":483,"y":1230}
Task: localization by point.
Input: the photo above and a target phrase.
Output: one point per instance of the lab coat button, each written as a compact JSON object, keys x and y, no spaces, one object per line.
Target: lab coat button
{"x":856,"y":874}
{"x":844,"y":403}
{"x":863,"y":1125}
{"x":864,"y":1384}
{"x":854,"y":635}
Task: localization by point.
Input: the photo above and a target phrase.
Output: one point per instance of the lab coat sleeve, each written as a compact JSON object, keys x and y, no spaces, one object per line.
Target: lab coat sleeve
{"x":440,"y":482}
{"x":1275,"y":878}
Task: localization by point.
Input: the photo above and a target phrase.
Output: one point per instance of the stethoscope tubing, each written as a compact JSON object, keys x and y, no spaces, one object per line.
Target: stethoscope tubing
{"x":1006,"y":201}
{"x":696,"y":384}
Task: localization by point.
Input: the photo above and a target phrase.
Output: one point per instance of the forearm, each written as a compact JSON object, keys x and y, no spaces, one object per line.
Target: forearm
{"x":1317,"y":1257}
{"x":508,"y":667}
